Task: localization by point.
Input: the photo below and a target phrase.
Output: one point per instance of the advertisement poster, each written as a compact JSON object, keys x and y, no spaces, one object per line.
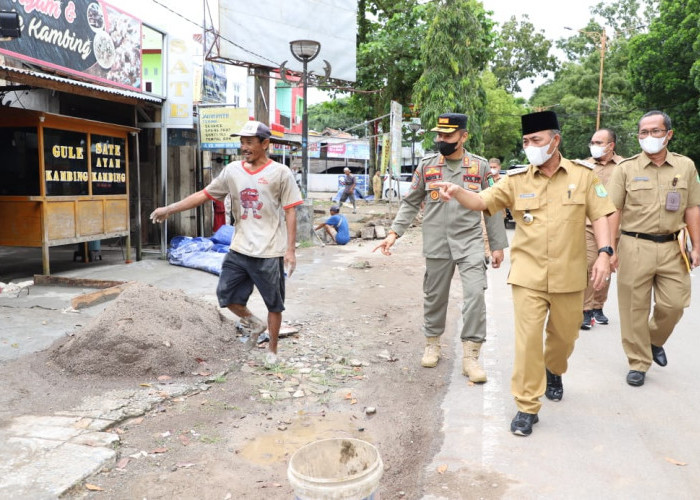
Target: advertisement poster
{"x":217,"y":123}
{"x":89,"y":38}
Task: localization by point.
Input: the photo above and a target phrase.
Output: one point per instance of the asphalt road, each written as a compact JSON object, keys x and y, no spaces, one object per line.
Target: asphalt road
{"x":605,"y":439}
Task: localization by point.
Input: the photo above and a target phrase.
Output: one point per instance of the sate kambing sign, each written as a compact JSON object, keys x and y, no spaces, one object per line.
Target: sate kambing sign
{"x":88,"y":38}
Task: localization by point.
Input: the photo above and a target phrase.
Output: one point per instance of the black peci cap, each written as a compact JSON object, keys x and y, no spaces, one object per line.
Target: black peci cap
{"x":536,"y":122}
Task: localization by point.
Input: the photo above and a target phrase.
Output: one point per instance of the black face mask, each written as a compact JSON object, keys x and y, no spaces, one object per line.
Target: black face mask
{"x":447,"y":148}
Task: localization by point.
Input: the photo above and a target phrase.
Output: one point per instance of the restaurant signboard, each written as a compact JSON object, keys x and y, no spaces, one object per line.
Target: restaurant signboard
{"x":92,"y":39}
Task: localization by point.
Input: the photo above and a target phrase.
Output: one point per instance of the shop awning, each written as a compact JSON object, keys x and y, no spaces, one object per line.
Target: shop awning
{"x":53,"y":82}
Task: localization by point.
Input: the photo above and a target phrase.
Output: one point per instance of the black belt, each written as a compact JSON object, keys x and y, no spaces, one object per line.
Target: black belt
{"x":657,"y":238}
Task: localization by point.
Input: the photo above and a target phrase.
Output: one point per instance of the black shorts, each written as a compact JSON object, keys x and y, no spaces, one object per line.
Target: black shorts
{"x":240,"y":272}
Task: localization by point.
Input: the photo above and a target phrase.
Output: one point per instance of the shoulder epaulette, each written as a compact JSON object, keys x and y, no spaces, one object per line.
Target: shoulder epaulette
{"x":584,"y":163}
{"x":624,"y":160}
{"x":516,"y":171}
{"x":478,"y":157}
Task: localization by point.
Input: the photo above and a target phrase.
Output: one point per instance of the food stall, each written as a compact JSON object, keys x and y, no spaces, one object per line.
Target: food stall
{"x":64,"y":180}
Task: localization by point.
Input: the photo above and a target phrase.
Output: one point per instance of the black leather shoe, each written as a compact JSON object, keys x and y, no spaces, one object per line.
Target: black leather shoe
{"x":635,"y":378}
{"x":659,"y":355}
{"x":555,"y":389}
{"x":587,"y":320}
{"x":599,"y":317}
{"x":522,"y":423}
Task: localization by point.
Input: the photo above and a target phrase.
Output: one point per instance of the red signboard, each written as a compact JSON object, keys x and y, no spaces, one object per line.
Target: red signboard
{"x":89,"y":38}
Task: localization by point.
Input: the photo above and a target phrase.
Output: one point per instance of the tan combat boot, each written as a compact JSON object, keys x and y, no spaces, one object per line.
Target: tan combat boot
{"x":470,"y":362}
{"x":432,"y":352}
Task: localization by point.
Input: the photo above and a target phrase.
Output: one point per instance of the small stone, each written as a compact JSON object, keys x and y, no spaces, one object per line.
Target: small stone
{"x":281,"y":427}
{"x":305,"y":371}
{"x":355,"y":362}
{"x":370,"y":410}
{"x":298,"y":394}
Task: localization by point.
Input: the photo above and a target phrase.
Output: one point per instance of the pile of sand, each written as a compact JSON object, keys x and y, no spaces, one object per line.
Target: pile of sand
{"x":149,"y":331}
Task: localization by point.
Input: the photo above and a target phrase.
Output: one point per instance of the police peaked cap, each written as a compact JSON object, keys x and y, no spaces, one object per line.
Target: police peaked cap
{"x":449,"y":122}
{"x":536,"y":122}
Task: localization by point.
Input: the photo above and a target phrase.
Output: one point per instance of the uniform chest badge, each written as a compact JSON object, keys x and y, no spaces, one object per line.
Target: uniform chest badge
{"x":431,"y":174}
{"x":474,"y":168}
{"x":434,"y":195}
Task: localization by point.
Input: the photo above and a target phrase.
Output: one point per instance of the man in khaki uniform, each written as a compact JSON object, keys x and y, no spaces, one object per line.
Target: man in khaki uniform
{"x":657,"y":194}
{"x":550,"y":200}
{"x":603,"y":159}
{"x":452,"y":239}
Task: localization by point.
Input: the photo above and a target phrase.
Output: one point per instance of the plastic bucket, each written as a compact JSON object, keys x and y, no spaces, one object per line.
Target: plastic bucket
{"x":337,"y":468}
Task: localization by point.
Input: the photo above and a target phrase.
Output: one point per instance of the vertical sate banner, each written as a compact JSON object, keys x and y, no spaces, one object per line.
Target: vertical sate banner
{"x":178,"y":106}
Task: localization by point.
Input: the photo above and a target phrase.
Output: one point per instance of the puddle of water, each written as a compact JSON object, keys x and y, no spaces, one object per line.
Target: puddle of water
{"x":278,"y":446}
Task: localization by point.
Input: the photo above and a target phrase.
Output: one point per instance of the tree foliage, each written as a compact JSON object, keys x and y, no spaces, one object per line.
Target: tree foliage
{"x":338,"y":114}
{"x":502,"y":136}
{"x":454,"y":52}
{"x":664,"y":70}
{"x":521,"y":52}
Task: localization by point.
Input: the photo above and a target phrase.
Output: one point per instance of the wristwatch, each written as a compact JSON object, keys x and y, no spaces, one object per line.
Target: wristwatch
{"x":607,"y":250}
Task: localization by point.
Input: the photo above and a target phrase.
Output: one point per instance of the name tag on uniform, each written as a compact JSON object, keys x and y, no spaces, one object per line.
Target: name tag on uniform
{"x":432,"y":174}
{"x":641,"y":179}
{"x":527,"y":195}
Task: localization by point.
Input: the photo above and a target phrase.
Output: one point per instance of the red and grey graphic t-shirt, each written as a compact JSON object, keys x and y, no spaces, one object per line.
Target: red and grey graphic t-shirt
{"x":258,"y":200}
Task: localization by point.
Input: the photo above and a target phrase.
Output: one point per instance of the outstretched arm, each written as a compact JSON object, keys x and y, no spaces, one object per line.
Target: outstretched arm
{"x":192,"y":201}
{"x":467,"y":199}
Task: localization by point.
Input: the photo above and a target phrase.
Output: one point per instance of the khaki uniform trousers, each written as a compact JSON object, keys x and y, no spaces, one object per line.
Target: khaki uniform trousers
{"x":646,"y":266}
{"x":436,"y":293}
{"x":531,"y":308}
{"x":593,"y":299}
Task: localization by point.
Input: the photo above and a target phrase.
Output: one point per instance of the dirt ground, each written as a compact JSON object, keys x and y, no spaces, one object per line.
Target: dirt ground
{"x":352,"y":369}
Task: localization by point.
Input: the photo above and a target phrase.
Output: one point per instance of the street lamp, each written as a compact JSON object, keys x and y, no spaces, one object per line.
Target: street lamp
{"x":603,"y":38}
{"x":415,"y":127}
{"x":304,"y":51}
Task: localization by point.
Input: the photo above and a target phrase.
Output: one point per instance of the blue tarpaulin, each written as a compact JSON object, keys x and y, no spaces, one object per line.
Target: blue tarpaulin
{"x":206,"y":254}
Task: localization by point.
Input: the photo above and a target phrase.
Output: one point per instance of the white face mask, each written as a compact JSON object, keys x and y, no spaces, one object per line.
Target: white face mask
{"x":538,"y":156}
{"x":494,"y":171}
{"x":652,"y":145}
{"x":597,"y":151}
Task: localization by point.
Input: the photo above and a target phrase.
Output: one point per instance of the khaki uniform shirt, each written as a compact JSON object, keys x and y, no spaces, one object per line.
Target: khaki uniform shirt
{"x":549,"y":253}
{"x":603,"y":171}
{"x":450,"y":231}
{"x":639,"y":189}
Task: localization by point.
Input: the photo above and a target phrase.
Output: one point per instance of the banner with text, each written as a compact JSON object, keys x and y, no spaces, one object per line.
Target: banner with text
{"x":217,"y":123}
{"x":92,"y":39}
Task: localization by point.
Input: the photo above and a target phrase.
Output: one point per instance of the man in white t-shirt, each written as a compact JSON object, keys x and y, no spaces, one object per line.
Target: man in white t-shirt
{"x":263,"y":196}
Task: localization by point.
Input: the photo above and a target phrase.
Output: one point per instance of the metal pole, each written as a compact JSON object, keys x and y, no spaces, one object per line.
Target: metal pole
{"x":304,"y":140}
{"x":413,"y":151}
{"x":600,"y":80}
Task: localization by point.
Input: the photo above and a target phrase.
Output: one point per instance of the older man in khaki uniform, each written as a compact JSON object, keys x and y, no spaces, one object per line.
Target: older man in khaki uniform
{"x":603,"y":159}
{"x":452,"y":239}
{"x":657,"y":194}
{"x":550,"y":200}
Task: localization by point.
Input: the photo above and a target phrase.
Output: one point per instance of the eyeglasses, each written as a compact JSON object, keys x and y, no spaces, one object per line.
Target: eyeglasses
{"x":657,"y":132}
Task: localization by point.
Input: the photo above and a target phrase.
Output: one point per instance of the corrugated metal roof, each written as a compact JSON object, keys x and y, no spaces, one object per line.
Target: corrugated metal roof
{"x":20,"y":74}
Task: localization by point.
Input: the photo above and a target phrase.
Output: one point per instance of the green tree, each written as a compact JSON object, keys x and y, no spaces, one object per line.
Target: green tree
{"x":664,"y":71}
{"x":502,"y":131}
{"x":454,"y":52}
{"x":338,"y":114}
{"x":521,"y":52}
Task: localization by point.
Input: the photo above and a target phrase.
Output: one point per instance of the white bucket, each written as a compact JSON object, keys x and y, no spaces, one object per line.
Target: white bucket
{"x":337,"y":468}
